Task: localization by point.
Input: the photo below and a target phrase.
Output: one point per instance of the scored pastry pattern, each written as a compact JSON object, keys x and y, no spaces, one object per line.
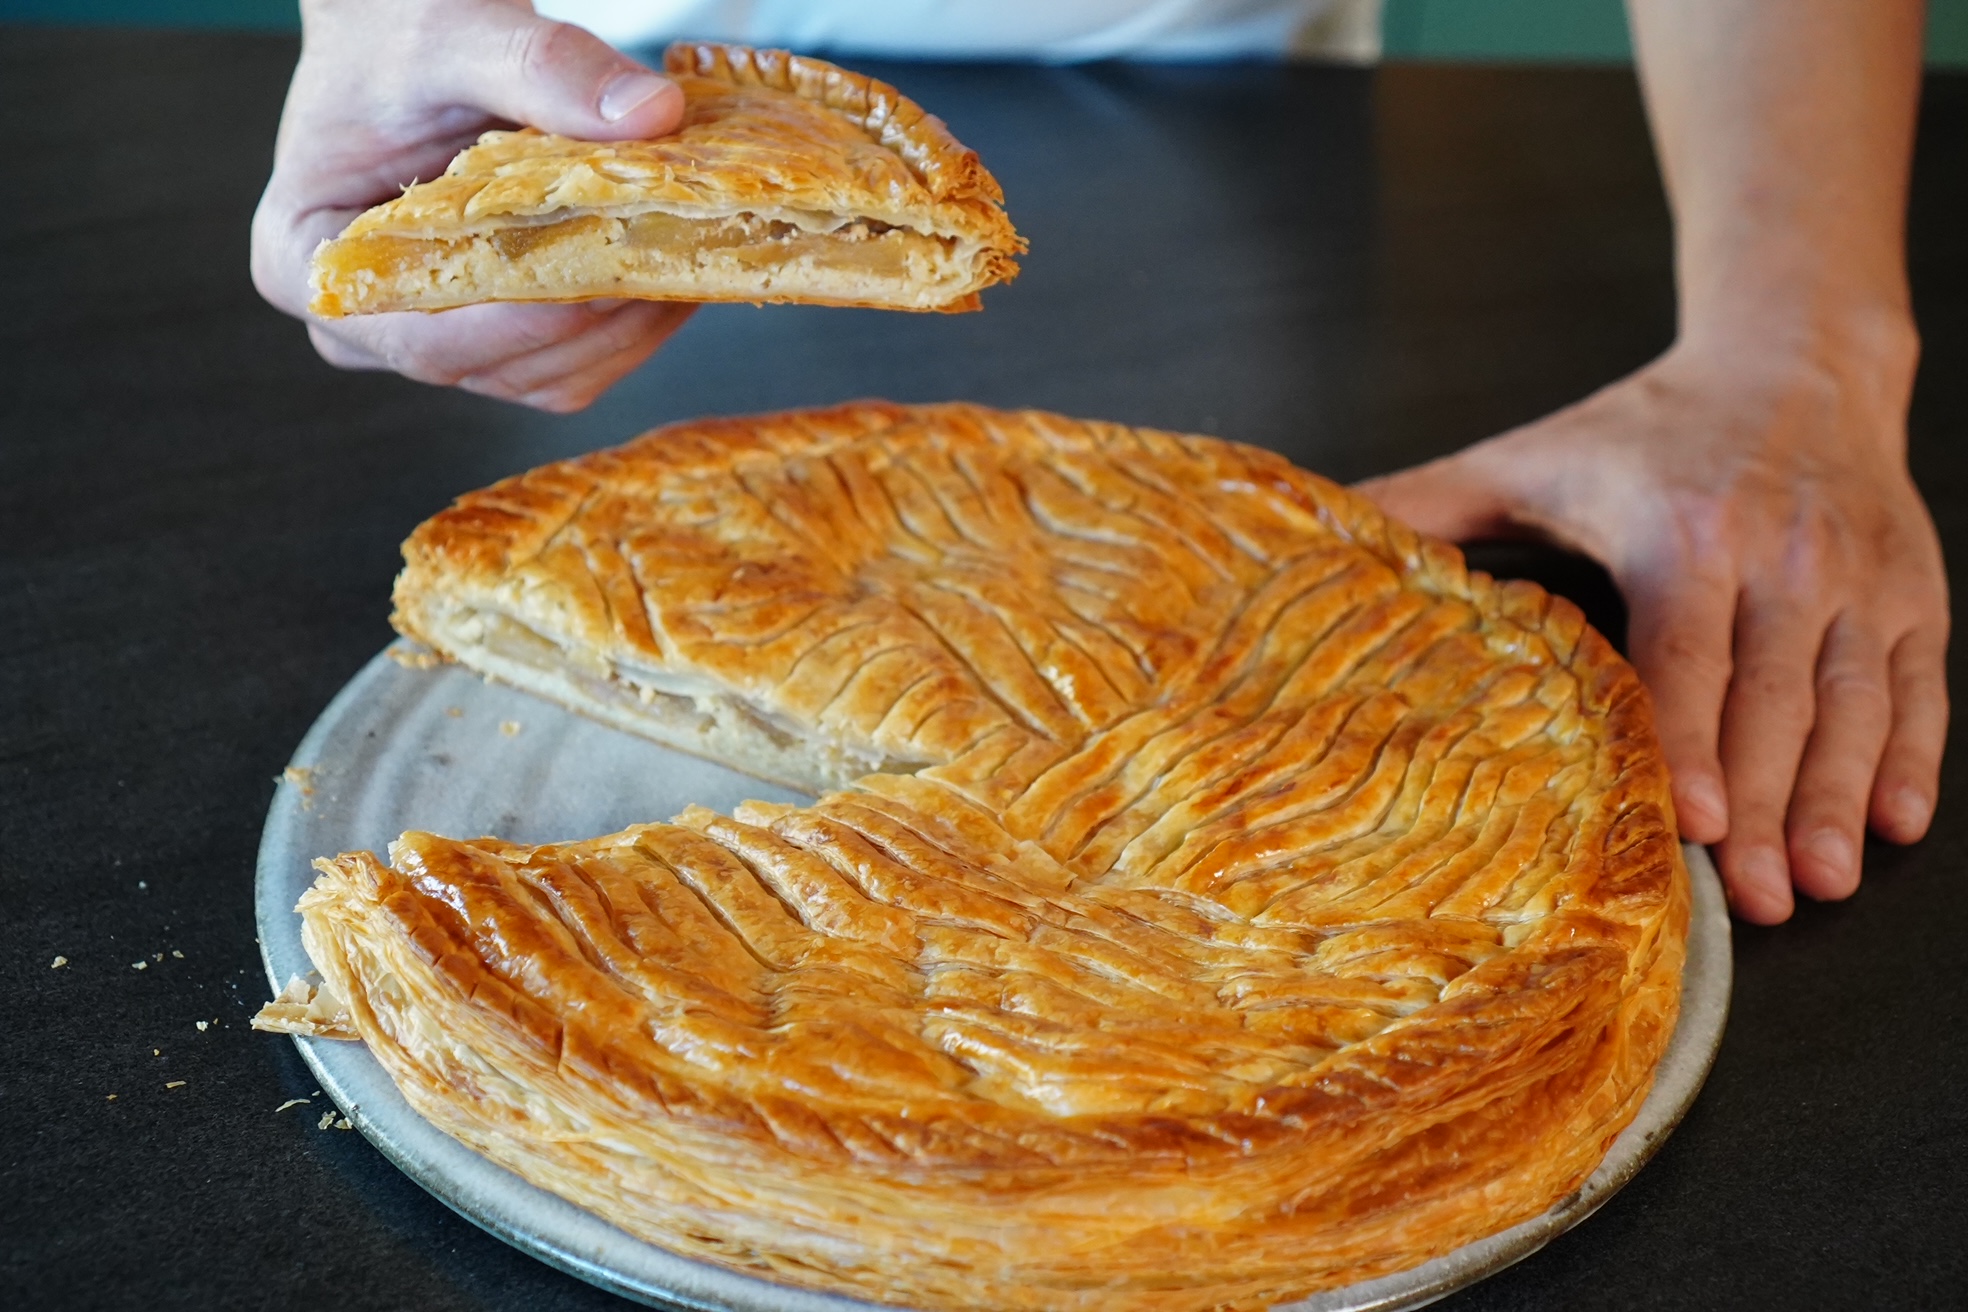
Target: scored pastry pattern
{"x":1259,"y":900}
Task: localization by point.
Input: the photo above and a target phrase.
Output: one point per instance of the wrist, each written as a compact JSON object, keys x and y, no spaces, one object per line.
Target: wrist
{"x":1789,"y":300}
{"x":1862,"y":350}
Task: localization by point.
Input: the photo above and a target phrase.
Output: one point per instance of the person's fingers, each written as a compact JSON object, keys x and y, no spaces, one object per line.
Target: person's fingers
{"x":568,"y":374}
{"x":1680,"y":629}
{"x":283,"y":243}
{"x":553,"y":76}
{"x":1450,"y":498}
{"x":340,"y":353}
{"x":473,"y":339}
{"x":613,"y":328}
{"x":578,"y":390}
{"x":1826,"y":825}
{"x":1765,"y":723}
{"x":552,"y":357}
{"x":1908,"y":781}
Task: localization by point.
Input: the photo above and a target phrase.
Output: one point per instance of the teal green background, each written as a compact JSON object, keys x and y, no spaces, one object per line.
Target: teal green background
{"x":1570,"y":31}
{"x":1502,"y":31}
{"x":259,"y":15}
{"x":1573,"y":31}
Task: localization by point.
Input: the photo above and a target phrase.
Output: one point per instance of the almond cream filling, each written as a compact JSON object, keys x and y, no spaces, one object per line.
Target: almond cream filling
{"x":655,"y":252}
{"x":863,"y":244}
{"x":680,"y":711}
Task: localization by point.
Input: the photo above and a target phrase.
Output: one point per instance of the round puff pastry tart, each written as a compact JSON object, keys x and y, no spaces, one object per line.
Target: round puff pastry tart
{"x":1216,"y":893}
{"x":789,"y":179}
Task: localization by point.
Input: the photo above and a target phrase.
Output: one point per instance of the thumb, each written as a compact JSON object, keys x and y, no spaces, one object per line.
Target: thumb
{"x":559,"y":78}
{"x":1452,"y":498}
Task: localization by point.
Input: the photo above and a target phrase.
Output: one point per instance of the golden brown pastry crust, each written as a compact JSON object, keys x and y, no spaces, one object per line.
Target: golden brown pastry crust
{"x":849,"y":193}
{"x":1279,"y":903}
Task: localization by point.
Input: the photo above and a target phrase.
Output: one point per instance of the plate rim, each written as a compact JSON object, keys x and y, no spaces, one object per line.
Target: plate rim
{"x":512,"y":1209}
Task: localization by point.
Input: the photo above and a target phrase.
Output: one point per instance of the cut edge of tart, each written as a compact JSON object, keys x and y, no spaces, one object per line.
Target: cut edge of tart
{"x":790,"y":180}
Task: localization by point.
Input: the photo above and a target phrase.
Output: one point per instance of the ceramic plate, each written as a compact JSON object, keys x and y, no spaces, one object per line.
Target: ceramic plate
{"x":440,"y":749}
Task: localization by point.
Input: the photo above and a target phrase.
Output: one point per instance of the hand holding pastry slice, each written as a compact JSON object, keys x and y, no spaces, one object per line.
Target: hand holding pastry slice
{"x":386,"y":92}
{"x":389,"y":91}
{"x":789,"y":179}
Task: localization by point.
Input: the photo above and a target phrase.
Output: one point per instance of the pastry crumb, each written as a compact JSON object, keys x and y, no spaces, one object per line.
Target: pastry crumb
{"x":414,"y":658}
{"x":59,"y":963}
{"x":201,"y":1026}
{"x":302,"y":777}
{"x":179,"y":955}
{"x":174,"y":1084}
{"x":155,"y":1053}
{"x":109,"y":1097}
{"x":291,"y":1102}
{"x":305,"y":1009}
{"x":343,"y":1124}
{"x":510,"y":727}
{"x":140,"y":965}
{"x":327,"y":1119}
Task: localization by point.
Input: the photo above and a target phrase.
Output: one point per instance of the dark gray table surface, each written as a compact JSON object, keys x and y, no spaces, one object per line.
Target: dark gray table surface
{"x":199,"y":522}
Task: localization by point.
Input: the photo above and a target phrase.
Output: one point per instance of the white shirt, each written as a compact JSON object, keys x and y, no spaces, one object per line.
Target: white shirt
{"x":1058,"y":30}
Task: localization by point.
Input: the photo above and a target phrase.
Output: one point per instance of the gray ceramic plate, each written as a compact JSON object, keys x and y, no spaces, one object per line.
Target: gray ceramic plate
{"x":440,"y":750}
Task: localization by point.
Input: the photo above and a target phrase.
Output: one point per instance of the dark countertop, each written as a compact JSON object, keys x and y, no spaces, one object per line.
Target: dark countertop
{"x":198,"y":528}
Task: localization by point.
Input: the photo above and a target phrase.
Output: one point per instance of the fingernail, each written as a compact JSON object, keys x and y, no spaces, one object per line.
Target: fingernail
{"x":1765,"y":869}
{"x":1765,"y":885}
{"x":553,"y":401}
{"x":1833,"y":851}
{"x":1911,"y":809}
{"x":1706,"y":800}
{"x":628,"y":91}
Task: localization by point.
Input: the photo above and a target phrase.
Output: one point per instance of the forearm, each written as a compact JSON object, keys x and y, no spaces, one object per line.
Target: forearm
{"x":1785,"y":129}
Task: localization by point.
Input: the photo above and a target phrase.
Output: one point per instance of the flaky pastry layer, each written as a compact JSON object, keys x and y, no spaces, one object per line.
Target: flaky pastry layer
{"x":789,"y":180}
{"x":1250,"y":899}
